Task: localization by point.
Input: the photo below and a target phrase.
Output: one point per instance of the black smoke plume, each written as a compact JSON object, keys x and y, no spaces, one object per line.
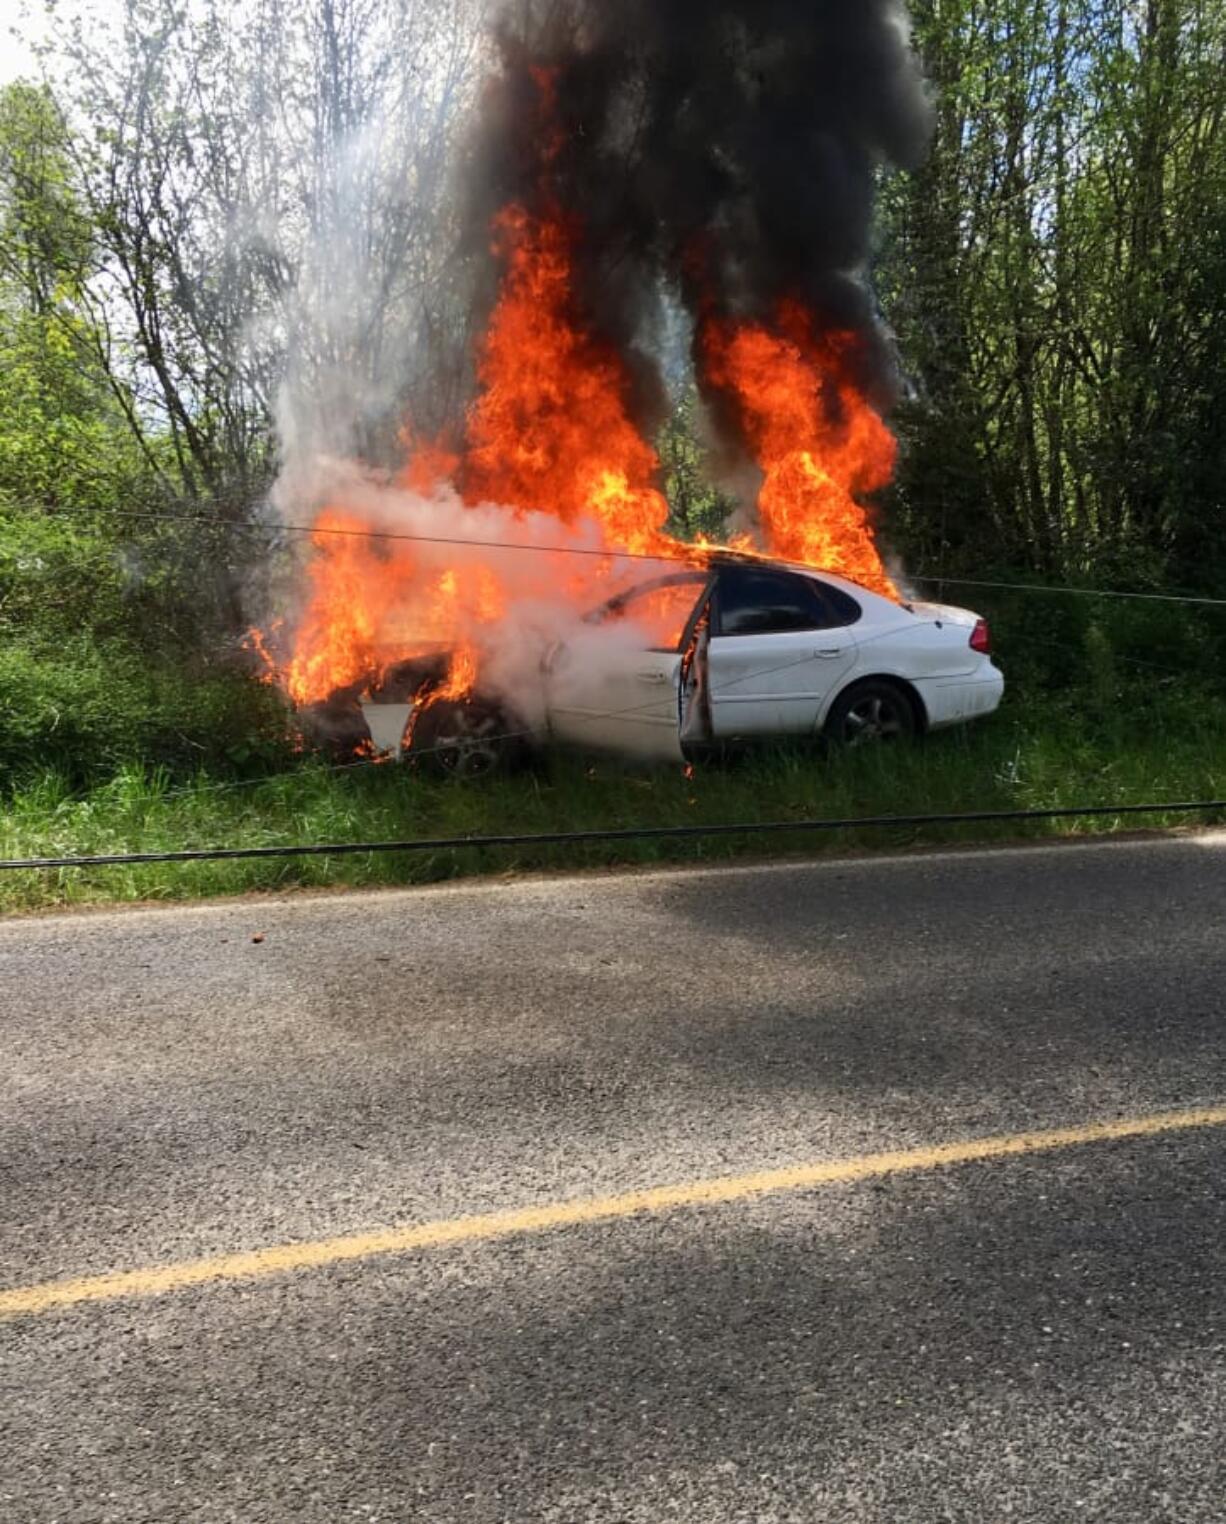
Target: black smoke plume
{"x":726,"y":148}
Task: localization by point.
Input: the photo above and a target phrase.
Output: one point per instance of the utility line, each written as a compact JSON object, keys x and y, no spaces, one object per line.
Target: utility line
{"x":1083,"y":592}
{"x":639,"y":833}
{"x":143,"y":515}
{"x":604,"y":555}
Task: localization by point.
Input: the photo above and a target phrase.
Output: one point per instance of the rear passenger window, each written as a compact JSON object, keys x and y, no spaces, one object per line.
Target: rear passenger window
{"x":839,"y":609}
{"x":753,"y":602}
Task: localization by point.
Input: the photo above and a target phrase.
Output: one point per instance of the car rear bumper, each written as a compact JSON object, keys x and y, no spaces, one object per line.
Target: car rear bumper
{"x":953,"y":700}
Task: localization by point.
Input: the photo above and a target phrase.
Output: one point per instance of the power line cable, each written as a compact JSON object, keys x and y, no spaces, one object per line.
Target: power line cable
{"x":1083,"y":592}
{"x":272,"y":528}
{"x":638,"y":833}
{"x":698,"y":552}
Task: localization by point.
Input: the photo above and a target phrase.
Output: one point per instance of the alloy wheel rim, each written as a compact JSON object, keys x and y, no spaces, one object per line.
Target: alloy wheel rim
{"x":874,"y":718}
{"x":469,"y":749}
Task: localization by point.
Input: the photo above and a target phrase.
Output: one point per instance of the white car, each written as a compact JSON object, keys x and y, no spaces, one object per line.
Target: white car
{"x":742,"y":650}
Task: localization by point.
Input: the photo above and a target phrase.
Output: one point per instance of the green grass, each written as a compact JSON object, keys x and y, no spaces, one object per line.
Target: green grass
{"x":1042,"y":751}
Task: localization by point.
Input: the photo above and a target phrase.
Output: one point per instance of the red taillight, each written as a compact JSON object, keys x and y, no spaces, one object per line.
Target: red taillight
{"x":981,"y":638}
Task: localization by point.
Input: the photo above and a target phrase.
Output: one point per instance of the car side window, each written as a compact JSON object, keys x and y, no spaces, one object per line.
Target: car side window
{"x":661,"y":609}
{"x":750,"y":601}
{"x":839,"y":609}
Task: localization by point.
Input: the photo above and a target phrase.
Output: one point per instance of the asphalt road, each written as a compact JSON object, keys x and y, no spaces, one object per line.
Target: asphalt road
{"x":1040,"y":1337}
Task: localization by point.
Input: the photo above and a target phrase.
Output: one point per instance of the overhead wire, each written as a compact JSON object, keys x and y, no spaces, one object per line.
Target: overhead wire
{"x":1084,"y":592}
{"x":596,"y":553}
{"x":637,"y":833}
{"x":352,"y":532}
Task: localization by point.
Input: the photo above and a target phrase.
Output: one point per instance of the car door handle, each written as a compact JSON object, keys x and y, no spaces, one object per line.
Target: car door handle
{"x":657,"y":679}
{"x":828,"y":652}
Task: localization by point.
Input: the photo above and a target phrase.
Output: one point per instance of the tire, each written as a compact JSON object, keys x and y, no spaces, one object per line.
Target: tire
{"x":467,"y":738}
{"x":872,"y":711}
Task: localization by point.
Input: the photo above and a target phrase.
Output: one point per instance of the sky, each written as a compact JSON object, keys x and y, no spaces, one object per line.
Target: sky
{"x":15,"y":58}
{"x":26,"y":23}
{"x":22,"y":24}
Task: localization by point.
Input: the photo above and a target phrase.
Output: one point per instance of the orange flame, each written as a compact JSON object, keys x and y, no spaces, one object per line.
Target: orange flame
{"x":256,"y":641}
{"x":552,"y":431}
{"x":461,"y":676}
{"x":357,"y":585}
{"x":818,"y":441}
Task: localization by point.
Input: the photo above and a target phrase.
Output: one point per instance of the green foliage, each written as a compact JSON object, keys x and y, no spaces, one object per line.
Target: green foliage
{"x":698,"y":508}
{"x":45,"y":237}
{"x":109,"y":629}
{"x":62,"y":440}
{"x":64,"y":436}
{"x":1056,"y":276}
{"x":90,"y":707}
{"x":104,"y":646}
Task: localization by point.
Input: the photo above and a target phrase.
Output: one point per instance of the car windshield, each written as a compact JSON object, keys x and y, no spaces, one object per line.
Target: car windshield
{"x":661,"y":609}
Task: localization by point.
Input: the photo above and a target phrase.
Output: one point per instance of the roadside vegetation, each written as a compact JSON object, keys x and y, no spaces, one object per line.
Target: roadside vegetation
{"x":1008,"y":764}
{"x":1055,"y":275}
{"x":1116,"y":709}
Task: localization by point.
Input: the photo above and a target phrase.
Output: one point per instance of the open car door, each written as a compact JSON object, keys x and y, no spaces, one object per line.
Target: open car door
{"x":616,"y":685}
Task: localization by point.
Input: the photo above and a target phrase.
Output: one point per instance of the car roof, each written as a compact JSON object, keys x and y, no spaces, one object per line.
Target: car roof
{"x":750,"y":560}
{"x":711,"y":560}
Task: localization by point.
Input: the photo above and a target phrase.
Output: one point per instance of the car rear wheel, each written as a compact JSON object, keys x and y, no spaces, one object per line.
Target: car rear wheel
{"x":870,"y":712}
{"x":466,"y":738}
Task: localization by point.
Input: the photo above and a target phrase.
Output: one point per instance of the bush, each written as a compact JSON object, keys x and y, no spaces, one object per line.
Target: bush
{"x":90,"y":707}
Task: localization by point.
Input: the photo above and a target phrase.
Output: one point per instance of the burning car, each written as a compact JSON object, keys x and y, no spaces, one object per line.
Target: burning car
{"x":742,"y":649}
{"x":438,"y":602}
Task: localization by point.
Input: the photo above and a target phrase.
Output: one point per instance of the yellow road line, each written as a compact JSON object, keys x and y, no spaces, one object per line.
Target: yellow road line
{"x":279,"y":1259}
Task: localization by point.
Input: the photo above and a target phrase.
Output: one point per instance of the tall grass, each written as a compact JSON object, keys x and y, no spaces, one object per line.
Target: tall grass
{"x":1069,"y":753}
